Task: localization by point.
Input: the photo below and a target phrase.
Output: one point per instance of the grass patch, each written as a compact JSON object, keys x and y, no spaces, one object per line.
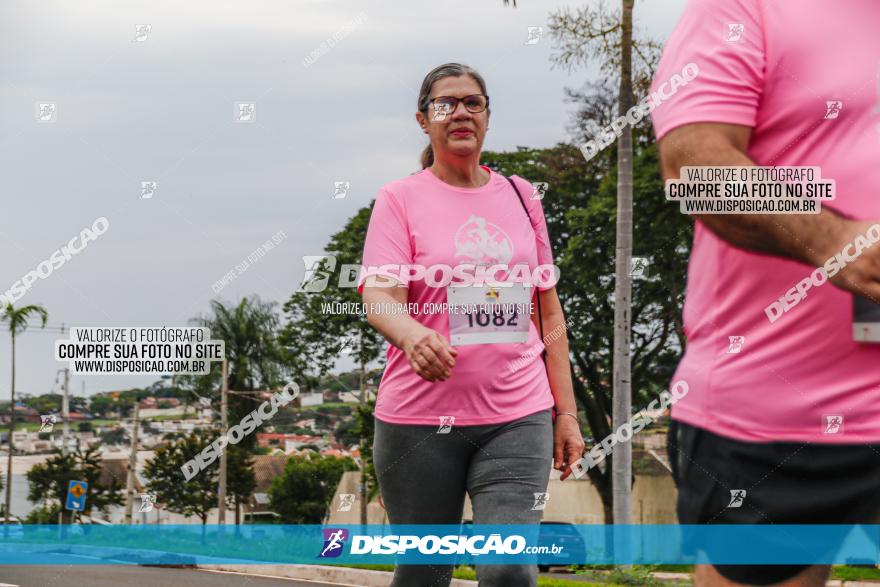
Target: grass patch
{"x":845,"y":573}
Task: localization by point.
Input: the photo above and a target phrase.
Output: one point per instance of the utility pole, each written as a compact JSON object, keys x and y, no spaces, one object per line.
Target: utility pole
{"x":224,"y":423}
{"x":132,"y":464}
{"x":363,"y":402}
{"x":65,"y":413}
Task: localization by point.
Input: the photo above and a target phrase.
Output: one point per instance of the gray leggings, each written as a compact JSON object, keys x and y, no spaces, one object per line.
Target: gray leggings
{"x":423,"y":477}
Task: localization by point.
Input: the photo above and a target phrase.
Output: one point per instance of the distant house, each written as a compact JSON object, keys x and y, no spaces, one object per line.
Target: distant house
{"x":310,"y":399}
{"x":297,"y":441}
{"x":266,"y":468}
{"x":270,"y":439}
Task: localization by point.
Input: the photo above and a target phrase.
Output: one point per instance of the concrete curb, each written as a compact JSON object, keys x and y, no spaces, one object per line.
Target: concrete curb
{"x":339,"y":575}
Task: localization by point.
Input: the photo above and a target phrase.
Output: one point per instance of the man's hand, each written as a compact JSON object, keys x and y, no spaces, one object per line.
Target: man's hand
{"x":862,"y":275}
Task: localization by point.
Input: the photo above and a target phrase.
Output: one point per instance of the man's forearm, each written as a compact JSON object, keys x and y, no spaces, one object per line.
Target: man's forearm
{"x":810,"y":238}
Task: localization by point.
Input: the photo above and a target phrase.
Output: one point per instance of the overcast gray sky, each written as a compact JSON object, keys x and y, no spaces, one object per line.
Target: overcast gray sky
{"x":161,"y":109}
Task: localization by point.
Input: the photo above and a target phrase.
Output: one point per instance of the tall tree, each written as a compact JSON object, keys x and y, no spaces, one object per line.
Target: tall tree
{"x":249,"y":331}
{"x":241,"y":480}
{"x":196,"y":497}
{"x":302,"y":494}
{"x":48,"y":482}
{"x":315,"y":337}
{"x":17,"y":321}
{"x":622,"y":391}
{"x":596,"y":32}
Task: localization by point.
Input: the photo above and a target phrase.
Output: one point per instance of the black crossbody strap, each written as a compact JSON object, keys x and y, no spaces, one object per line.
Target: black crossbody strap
{"x":538,"y":293}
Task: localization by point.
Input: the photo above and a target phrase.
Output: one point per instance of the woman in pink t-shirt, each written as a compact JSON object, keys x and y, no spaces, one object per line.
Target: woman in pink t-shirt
{"x":464,"y":405}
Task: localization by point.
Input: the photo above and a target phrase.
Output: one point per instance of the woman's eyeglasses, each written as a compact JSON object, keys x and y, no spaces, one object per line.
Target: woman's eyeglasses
{"x":444,"y":105}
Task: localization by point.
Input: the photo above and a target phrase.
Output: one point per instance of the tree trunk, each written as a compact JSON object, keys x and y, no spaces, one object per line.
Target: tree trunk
{"x":622,"y":393}
{"x":7,"y":509}
{"x":237,"y":511}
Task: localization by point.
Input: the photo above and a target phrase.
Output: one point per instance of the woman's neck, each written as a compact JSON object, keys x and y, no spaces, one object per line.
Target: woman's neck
{"x":460,"y":173}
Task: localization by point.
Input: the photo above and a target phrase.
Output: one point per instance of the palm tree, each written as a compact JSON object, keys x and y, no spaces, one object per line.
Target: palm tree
{"x":17,"y":320}
{"x":249,"y":331}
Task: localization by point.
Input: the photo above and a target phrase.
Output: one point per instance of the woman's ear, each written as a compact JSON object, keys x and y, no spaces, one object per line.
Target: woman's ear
{"x":423,"y":122}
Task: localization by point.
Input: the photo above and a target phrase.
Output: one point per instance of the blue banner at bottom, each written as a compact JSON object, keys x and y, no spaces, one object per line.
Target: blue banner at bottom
{"x":549,"y":544}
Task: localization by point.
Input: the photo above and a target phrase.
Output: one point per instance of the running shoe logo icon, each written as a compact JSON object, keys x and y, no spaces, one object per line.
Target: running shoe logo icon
{"x":833,"y":424}
{"x":737,"y":496}
{"x":735,"y":32}
{"x":541,"y":500}
{"x":736,"y":344}
{"x":832,"y":109}
{"x":334,"y":541}
{"x":47,"y":423}
{"x":346,"y":500}
{"x":148,"y":500}
{"x":446,"y":423}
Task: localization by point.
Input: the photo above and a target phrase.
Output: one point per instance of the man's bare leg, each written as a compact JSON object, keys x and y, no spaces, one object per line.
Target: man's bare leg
{"x":815,"y":576}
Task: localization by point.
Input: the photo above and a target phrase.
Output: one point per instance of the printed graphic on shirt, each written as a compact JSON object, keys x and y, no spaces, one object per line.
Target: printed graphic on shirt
{"x":483,"y":242}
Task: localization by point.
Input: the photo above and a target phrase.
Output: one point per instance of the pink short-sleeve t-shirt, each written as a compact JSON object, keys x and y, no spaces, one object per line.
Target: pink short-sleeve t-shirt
{"x":804,"y":77}
{"x":421,"y":220}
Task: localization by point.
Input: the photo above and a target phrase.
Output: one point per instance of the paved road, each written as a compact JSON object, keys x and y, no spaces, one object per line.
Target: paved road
{"x":57,"y":574}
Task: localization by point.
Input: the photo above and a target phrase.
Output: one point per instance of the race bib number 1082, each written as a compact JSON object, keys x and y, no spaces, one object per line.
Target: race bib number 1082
{"x":488,"y":315}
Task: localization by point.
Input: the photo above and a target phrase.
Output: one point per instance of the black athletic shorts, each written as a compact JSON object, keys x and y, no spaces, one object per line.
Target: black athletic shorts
{"x":784,"y":483}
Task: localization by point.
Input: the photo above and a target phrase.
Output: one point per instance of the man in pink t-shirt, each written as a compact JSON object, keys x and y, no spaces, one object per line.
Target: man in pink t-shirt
{"x":783,"y":394}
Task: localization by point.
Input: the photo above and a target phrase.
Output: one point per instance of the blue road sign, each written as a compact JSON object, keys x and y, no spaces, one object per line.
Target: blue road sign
{"x":76,"y":495}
